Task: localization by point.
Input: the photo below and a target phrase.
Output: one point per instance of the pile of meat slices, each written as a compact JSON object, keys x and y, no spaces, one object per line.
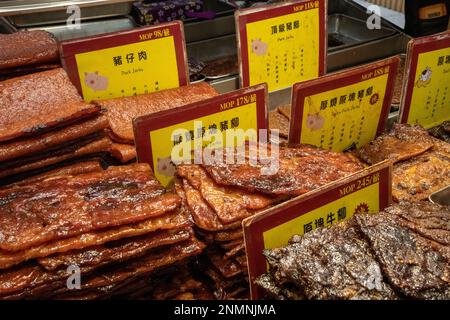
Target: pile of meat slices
{"x":421,"y":162}
{"x":119,"y":228}
{"x":219,"y":196}
{"x":402,"y":252}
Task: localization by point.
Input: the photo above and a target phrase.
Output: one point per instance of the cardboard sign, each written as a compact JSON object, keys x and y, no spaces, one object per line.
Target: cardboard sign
{"x":121,"y":64}
{"x":208,"y":123}
{"x":368,"y":191}
{"x":282,"y":44}
{"x":426,"y":98}
{"x":345,"y":109}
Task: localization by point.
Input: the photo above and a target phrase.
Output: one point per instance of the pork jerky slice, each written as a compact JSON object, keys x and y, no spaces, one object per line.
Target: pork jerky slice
{"x":28,"y":146}
{"x":117,"y":276}
{"x":123,"y":152}
{"x":401,"y":143}
{"x":203,"y":215}
{"x":122,"y":111}
{"x":168,"y":221}
{"x":79,"y":150}
{"x":301,"y":169}
{"x":61,"y":208}
{"x":27,"y":47}
{"x":417,"y":178}
{"x":417,"y":266}
{"x":116,"y":251}
{"x":73,"y":169}
{"x":38,"y":102}
{"x":285,"y":110}
{"x":280,"y":122}
{"x":229,"y":204}
{"x":226,"y":266}
{"x":330,"y":263}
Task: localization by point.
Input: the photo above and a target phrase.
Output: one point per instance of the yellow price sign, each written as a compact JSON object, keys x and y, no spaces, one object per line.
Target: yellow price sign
{"x":173,"y":136}
{"x":127,"y":63}
{"x":343,"y":110}
{"x":282,"y":44}
{"x":367,"y":191}
{"x":426,"y":99}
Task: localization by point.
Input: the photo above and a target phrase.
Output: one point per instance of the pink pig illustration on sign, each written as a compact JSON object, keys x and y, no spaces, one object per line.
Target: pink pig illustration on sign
{"x":95,"y":81}
{"x":259,"y":48}
{"x":314,"y":121}
{"x":166,"y":167}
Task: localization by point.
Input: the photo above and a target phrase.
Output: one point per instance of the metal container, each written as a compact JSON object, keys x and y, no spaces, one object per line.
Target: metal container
{"x":28,"y":13}
{"x":441,"y":197}
{"x":345,"y":31}
{"x":89,"y":28}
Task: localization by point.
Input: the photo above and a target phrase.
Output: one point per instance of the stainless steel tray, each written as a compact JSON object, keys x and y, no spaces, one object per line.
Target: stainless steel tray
{"x":90,"y":28}
{"x":441,"y":197}
{"x":345,"y":31}
{"x":27,"y":13}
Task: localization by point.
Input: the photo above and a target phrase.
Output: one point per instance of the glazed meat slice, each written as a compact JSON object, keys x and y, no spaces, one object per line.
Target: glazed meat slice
{"x":168,"y":221}
{"x":401,"y":143}
{"x":416,"y":265}
{"x":300,"y":170}
{"x":62,"y":208}
{"x":332,"y":263}
{"x":94,"y":145}
{"x":227,"y":267}
{"x":26,"y":48}
{"x":44,"y":142}
{"x":280,"y":122}
{"x":229,"y":204}
{"x":71,"y":169}
{"x":203,"y":215}
{"x":416,"y":179}
{"x":120,"y":275}
{"x":122,"y":111}
{"x":114,"y":252}
{"x":39,"y":102}
{"x":285,"y":110}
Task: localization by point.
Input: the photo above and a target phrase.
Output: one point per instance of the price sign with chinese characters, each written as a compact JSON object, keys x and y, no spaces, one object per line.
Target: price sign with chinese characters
{"x":426,"y":98}
{"x":343,"y":110}
{"x":368,"y":191}
{"x":127,"y":63}
{"x":165,"y":138}
{"x":282,"y":44}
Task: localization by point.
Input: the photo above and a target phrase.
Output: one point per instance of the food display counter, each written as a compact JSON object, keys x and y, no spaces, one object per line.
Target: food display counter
{"x":333,"y":180}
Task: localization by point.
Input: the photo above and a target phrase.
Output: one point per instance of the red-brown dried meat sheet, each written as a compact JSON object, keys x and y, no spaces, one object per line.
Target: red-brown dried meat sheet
{"x":62,"y":208}
{"x":172,"y":220}
{"x":401,"y":143}
{"x":41,"y":143}
{"x":122,"y":111}
{"x":300,"y":169}
{"x":82,"y":148}
{"x":27,"y":48}
{"x":39,"y":102}
{"x":230,"y":204}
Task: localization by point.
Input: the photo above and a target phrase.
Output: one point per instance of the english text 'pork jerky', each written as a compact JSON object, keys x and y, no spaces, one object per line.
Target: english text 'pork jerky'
{"x":63,"y":208}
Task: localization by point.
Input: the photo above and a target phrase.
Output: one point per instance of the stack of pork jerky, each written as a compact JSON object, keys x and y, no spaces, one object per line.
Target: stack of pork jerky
{"x":400,"y":253}
{"x":45,"y":124}
{"x":122,"y":111}
{"x":421,"y":162}
{"x":106,"y":234}
{"x":27,"y":52}
{"x":219,"y":196}
{"x":279,"y":119}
